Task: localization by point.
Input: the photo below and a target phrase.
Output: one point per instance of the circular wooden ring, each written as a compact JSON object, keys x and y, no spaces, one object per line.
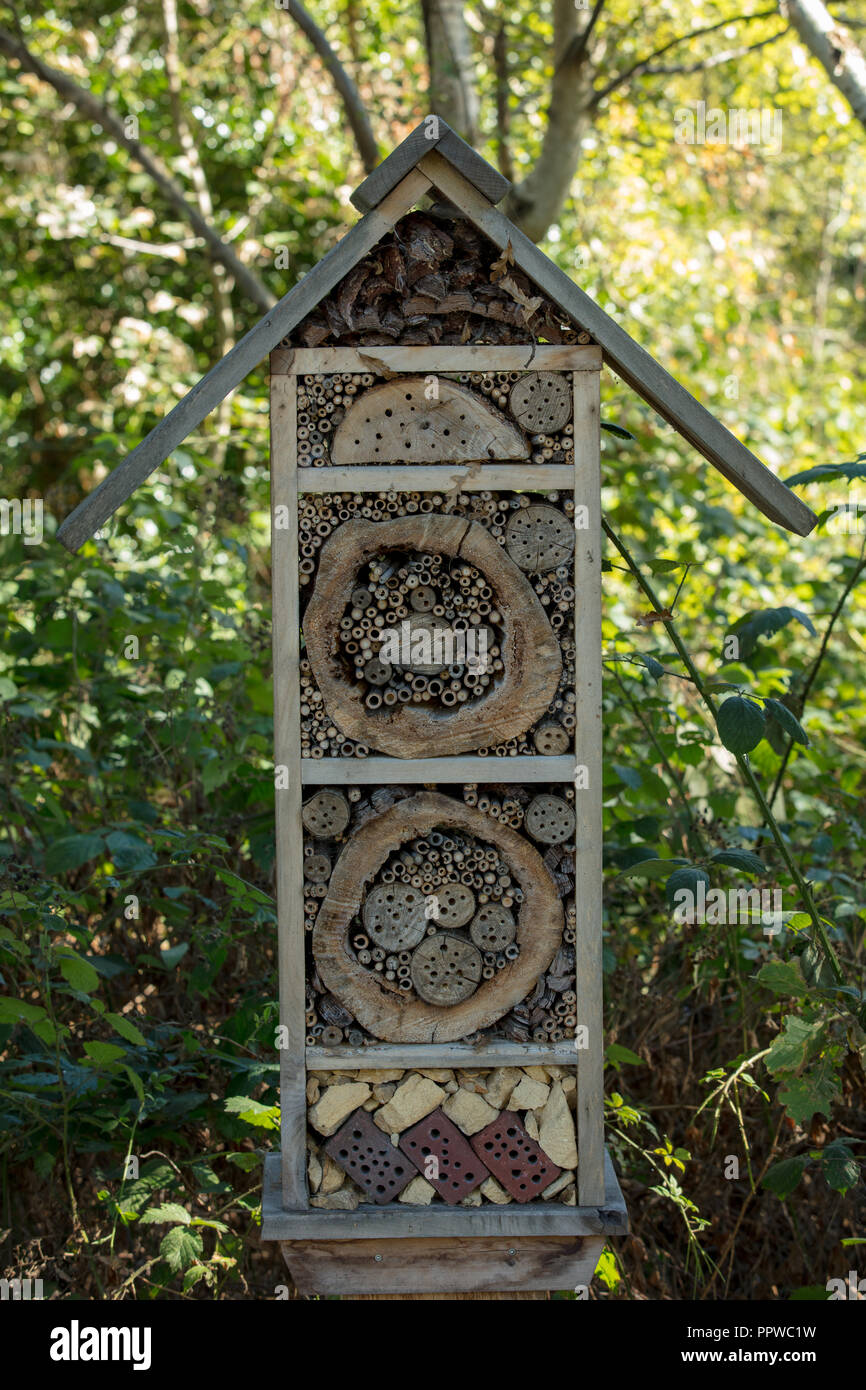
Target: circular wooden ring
{"x":539,"y":538}
{"x":326,"y":815}
{"x":394,"y":916}
{"x":396,"y":1016}
{"x":455,"y":904}
{"x":530,"y":652}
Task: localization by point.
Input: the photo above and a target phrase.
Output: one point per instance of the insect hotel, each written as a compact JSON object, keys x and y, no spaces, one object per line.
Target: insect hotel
{"x":435,"y":475}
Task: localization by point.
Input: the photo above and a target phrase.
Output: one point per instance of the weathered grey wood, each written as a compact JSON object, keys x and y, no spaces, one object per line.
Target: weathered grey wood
{"x":588,"y":798}
{"x":466,"y":357}
{"x":637,"y":368}
{"x":525,"y":767}
{"x":122,"y":481}
{"x":289,"y":834}
{"x":446,"y":477}
{"x":384,"y":1056}
{"x":438,"y":1220}
{"x":486,"y":1264}
{"x":432,"y":133}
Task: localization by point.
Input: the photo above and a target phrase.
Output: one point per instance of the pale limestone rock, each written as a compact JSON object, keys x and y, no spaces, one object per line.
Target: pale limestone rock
{"x":384,"y":1093}
{"x":529,"y":1094}
{"x":556,"y":1129}
{"x":314,"y":1173}
{"x":344,"y":1199}
{"x":440,"y":1074}
{"x":558,"y":1185}
{"x":419,"y":1192}
{"x":569,"y":1086}
{"x":374,"y":1077}
{"x":556,"y":1073}
{"x":336,"y":1105}
{"x":569,"y":1196}
{"x":332,"y":1176}
{"x":530,"y":1124}
{"x":491,"y":1189}
{"x":469,"y":1112}
{"x":313,"y":1090}
{"x":371,"y":1104}
{"x":451,"y":1087}
{"x":409,"y":1104}
{"x":472,"y":1199}
{"x":500,"y":1084}
{"x":537,"y":1073}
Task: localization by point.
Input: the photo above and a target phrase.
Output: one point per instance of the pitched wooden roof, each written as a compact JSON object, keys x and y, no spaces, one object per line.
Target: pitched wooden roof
{"x":434,"y":157}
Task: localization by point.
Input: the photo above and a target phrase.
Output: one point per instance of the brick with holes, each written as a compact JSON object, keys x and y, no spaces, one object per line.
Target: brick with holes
{"x":370,"y":1159}
{"x":441,"y":1153}
{"x":513,"y":1158}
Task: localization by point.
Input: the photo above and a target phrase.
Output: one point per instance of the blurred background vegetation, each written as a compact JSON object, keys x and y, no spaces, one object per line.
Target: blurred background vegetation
{"x":137,"y":966}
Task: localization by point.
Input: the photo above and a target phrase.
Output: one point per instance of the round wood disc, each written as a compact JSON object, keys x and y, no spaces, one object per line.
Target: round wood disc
{"x":394,"y":916}
{"x":422,"y":598}
{"x":550,"y":739}
{"x":326,"y":815}
{"x":421,"y":641}
{"x":539,"y":538}
{"x":541,"y":402}
{"x":456,"y":905}
{"x":493,"y":928}
{"x":445,"y":969}
{"x":377,"y":672}
{"x":317,"y":868}
{"x":549,"y":819}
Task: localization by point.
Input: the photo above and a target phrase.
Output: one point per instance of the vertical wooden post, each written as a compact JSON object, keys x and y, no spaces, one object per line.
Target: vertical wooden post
{"x":588,"y":799}
{"x":287,"y":743}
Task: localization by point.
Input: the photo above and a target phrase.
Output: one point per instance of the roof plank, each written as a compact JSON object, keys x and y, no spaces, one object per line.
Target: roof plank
{"x":637,"y":368}
{"x":432,"y":133}
{"x":230,"y":371}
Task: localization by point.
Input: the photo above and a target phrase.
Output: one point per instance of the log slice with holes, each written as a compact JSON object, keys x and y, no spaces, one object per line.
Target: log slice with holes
{"x":396,"y":1016}
{"x":530,"y":651}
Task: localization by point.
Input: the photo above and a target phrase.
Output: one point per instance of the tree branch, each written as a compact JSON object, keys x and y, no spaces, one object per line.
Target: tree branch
{"x":835,"y":50}
{"x":93,"y":110}
{"x":356,"y":113}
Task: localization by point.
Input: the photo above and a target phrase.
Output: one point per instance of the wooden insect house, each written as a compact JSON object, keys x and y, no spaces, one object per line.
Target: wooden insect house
{"x":436,"y":560}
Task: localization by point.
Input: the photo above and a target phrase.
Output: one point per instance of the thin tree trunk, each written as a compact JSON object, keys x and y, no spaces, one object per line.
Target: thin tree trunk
{"x":829,"y":42}
{"x":453,"y":85}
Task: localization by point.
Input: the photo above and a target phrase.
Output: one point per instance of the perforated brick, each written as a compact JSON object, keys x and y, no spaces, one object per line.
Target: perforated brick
{"x":514,"y":1158}
{"x":457,"y":1169}
{"x":370,"y":1159}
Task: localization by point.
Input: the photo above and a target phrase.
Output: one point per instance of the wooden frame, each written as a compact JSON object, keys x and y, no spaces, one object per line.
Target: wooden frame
{"x":596,"y":1182}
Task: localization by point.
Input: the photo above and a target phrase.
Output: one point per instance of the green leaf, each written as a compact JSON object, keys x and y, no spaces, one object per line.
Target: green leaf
{"x":783,"y":1177}
{"x":619,"y":430}
{"x":652,"y":868}
{"x":790,"y":1049}
{"x":71,"y":852}
{"x":830,"y":472}
{"x":168,"y":1211}
{"x":171,"y":956}
{"x":126,"y":1029}
{"x":665,"y":566}
{"x":740,"y":723}
{"x":787,"y":720}
{"x":245,"y":1161}
{"x":811,"y":1094}
{"x":617,"y":1054}
{"x":76,"y":971}
{"x":684,"y":879}
{"x":764,"y":623}
{"x":739,"y":859}
{"x":136,"y":1083}
{"x":839,"y":1166}
{"x":193,"y":1275}
{"x":102,"y":1052}
{"x":783,"y":977}
{"x":181,"y":1248}
{"x":629,"y":775}
{"x":253,"y":1112}
{"x":18,"y":1011}
{"x":129,"y":852}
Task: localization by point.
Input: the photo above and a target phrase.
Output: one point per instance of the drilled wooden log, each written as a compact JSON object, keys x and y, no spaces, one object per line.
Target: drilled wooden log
{"x":530,"y":651}
{"x":402,"y":420}
{"x":400,"y":1017}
